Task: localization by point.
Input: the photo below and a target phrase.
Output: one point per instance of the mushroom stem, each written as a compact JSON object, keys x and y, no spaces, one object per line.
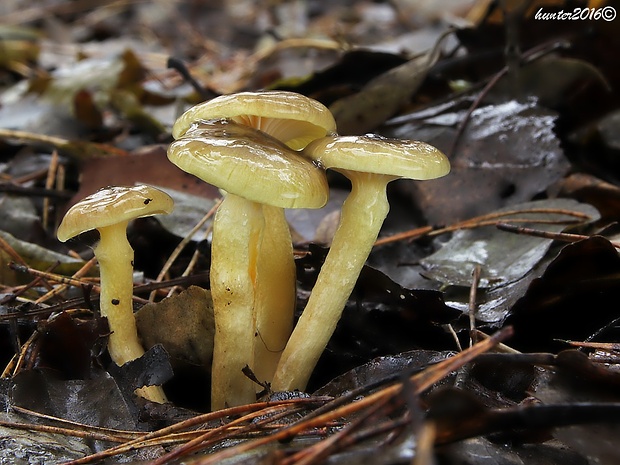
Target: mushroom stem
{"x":275,"y":293}
{"x":237,"y":230}
{"x":115,"y":257}
{"x":362,"y":216}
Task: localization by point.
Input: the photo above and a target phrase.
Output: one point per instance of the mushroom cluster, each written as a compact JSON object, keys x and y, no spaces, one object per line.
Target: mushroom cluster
{"x":308,"y":129}
{"x":267,"y":151}
{"x":246,"y":144}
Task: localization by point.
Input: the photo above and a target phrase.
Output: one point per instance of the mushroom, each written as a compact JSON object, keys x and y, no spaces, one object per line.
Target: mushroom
{"x":370,"y":162}
{"x":109,"y":211}
{"x":290,"y":117}
{"x":295,"y":120}
{"x":259,"y":174}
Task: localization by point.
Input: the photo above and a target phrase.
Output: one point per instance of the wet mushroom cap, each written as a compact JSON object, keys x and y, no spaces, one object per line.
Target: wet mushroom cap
{"x":113,"y":205}
{"x":290,"y":117}
{"x":376,"y":154}
{"x":247,"y":162}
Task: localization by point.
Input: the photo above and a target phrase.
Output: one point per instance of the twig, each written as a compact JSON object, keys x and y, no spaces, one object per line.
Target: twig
{"x":198,"y":420}
{"x":71,"y":303}
{"x":49,"y":184}
{"x":58,"y":289}
{"x":472,"y":304}
{"x":110,"y":434}
{"x":558,"y":236}
{"x":422,"y":381}
{"x":186,"y":240}
{"x":77,"y":149}
{"x":488,"y":219}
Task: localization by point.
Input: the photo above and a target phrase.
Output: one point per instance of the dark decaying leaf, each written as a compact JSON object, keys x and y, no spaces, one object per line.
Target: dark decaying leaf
{"x":482,"y":450}
{"x":507,"y":154}
{"x":69,"y":343}
{"x":380,"y":318}
{"x":354,"y":69}
{"x":572,"y":300}
{"x":549,"y":79}
{"x":384,"y":95}
{"x":381,"y":370}
{"x":583,"y":382}
{"x":586,"y":188}
{"x":42,"y":391}
{"x":152,"y":368}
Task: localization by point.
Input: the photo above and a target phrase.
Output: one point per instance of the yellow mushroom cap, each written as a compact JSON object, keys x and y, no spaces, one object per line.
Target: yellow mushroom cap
{"x":113,"y":205}
{"x":399,"y":158}
{"x":288,"y":116}
{"x":247,"y":162}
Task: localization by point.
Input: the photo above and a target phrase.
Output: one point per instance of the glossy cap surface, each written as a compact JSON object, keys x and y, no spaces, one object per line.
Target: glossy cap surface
{"x":249,"y":163}
{"x":375,"y":154}
{"x":113,"y":205}
{"x":288,"y":116}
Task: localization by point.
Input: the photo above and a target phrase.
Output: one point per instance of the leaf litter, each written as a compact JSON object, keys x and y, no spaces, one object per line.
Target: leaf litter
{"x":534,"y":167}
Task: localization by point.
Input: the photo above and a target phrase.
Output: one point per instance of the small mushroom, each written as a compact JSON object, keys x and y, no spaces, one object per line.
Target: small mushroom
{"x":109,"y":211}
{"x":370,"y":162}
{"x":295,"y":120}
{"x":255,"y":170}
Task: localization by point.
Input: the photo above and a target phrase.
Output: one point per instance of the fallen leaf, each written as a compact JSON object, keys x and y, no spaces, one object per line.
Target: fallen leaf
{"x":384,"y":95}
{"x":502,"y":258}
{"x":183,"y":324}
{"x":507,"y":154}
{"x":572,"y":300}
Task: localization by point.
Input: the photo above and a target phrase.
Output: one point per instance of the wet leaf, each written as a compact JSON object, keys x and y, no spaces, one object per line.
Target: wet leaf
{"x":572,"y":300}
{"x":383,"y":96}
{"x":37,"y":257}
{"x":381,"y":369}
{"x":507,"y":154}
{"x":43,"y":392}
{"x":183,"y":324}
{"x":19,"y":217}
{"x":381,"y":318}
{"x":69,"y":343}
{"x":502,"y":258}
{"x":580,"y":381}
{"x":549,"y":80}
